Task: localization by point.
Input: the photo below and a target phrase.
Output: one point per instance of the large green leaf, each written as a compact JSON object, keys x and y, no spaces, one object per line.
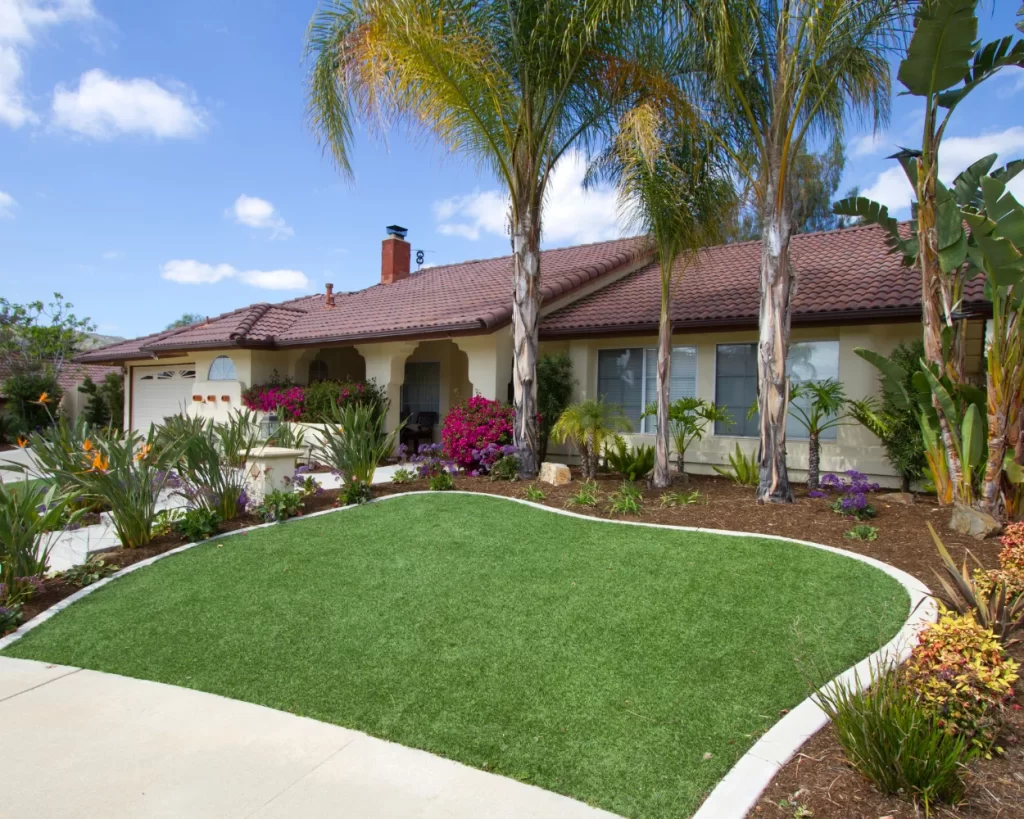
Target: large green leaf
{"x":1013,"y":470}
{"x":878,"y":214}
{"x":944,"y":399}
{"x":967,"y":185}
{"x":972,"y":434}
{"x":894,"y":374}
{"x":987,"y":61}
{"x":941,"y":49}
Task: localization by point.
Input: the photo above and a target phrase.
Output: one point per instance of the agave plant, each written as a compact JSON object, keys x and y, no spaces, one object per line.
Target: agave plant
{"x":354,"y":443}
{"x":993,"y":608}
{"x":742,"y":470}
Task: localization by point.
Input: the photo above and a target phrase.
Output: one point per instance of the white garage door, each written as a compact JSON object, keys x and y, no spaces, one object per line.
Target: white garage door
{"x":158,"y":392}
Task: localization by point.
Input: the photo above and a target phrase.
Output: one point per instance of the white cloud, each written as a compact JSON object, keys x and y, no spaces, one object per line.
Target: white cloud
{"x":189,"y":271}
{"x":571,"y":215}
{"x":259,"y":213}
{"x":869,"y":144}
{"x":111,"y":254}
{"x":7,"y":204}
{"x":955,"y":154}
{"x":103,"y":107}
{"x":20,"y":21}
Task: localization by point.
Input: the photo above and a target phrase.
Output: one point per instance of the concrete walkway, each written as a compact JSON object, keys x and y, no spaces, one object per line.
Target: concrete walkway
{"x":100,"y":746}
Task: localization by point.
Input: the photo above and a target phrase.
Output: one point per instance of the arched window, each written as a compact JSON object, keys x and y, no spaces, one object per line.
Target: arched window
{"x":222,"y":369}
{"x":317,"y":370}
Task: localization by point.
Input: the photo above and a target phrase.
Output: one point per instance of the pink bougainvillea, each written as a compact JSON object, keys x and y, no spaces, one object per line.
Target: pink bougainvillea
{"x":472,"y":427}
{"x":286,"y":400}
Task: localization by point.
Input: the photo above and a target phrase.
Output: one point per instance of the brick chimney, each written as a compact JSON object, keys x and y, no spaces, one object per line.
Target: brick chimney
{"x":395,"y":256}
{"x":328,"y":295}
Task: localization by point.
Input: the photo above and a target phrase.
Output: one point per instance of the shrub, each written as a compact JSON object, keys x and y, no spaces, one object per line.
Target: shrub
{"x":126,"y":473}
{"x":442,"y":482}
{"x":355,"y":443}
{"x":471,"y":427}
{"x":92,"y":571}
{"x":208,"y":476}
{"x":853,"y":501}
{"x":633,"y":463}
{"x":10,"y":618}
{"x":862,"y":532}
{"x":105,"y":405}
{"x":534,"y":494}
{"x":670,"y":499}
{"x":586,"y":495}
{"x":165,"y":519}
{"x":285,"y":399}
{"x":8,"y":428}
{"x":355,"y":492}
{"x":1012,"y":555}
{"x":892,"y":737}
{"x":987,"y":596}
{"x":555,"y":384}
{"x":23,"y":392}
{"x":27,"y":513}
{"x":197,"y":524}
{"x":964,"y":677}
{"x":279,"y":505}
{"x":430,"y":460}
{"x":588,"y":424}
{"x":402,"y":475}
{"x":627,"y":501}
{"x":506,"y":468}
{"x":742,"y":470}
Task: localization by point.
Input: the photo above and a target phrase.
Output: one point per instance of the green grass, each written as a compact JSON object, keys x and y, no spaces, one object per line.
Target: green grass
{"x":597,"y":660}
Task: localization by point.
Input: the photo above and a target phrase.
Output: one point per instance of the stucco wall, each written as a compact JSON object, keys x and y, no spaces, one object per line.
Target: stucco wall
{"x":855,"y":447}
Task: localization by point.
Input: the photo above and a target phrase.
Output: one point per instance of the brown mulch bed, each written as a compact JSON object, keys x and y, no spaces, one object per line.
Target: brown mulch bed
{"x":818,"y":779}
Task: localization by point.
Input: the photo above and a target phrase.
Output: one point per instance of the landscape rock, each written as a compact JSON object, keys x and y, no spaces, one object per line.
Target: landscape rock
{"x":905,"y":498}
{"x":555,"y":474}
{"x":968,"y":521}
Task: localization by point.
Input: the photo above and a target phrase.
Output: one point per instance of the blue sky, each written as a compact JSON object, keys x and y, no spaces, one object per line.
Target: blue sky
{"x":154,"y":160}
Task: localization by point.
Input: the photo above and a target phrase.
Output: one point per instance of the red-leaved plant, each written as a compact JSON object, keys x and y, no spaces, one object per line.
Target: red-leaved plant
{"x":471,"y":427}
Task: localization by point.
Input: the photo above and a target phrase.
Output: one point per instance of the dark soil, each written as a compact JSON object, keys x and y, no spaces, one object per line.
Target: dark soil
{"x":818,"y":779}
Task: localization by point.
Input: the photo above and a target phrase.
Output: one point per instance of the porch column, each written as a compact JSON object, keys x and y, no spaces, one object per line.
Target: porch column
{"x":385,"y":364}
{"x":490,"y":363}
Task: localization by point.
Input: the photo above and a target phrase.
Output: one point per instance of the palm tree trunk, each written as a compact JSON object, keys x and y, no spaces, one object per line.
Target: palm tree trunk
{"x":813,"y":459}
{"x":662,"y":443}
{"x":525,"y":320}
{"x":773,"y":384}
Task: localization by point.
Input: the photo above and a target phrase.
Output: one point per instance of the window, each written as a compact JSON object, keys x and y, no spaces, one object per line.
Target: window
{"x":629,"y":378}
{"x":421,"y":391}
{"x":811,"y":361}
{"x":222,"y":369}
{"x":317,"y":371}
{"x":736,"y":383}
{"x":736,"y":388}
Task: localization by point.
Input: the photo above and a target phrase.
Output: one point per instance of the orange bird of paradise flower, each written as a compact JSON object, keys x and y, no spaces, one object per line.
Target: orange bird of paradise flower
{"x":43,"y":399}
{"x":22,"y":442}
{"x":99,"y":463}
{"x":87,"y":446}
{"x":144,"y":450}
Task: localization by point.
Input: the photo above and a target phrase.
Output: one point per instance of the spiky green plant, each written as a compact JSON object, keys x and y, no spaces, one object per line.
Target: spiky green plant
{"x":588,"y":424}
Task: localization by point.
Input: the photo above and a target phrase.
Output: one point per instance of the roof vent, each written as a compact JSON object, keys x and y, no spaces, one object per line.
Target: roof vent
{"x":397,"y":231}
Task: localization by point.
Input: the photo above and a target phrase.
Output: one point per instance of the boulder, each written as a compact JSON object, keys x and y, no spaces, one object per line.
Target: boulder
{"x":968,"y":521}
{"x":555,"y":474}
{"x":904,"y":498}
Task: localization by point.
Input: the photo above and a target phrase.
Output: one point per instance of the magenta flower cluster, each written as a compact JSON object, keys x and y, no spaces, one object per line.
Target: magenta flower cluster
{"x":286,"y":401}
{"x":474,"y":432}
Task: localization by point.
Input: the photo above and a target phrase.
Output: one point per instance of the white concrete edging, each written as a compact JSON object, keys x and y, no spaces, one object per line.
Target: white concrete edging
{"x":742,"y":786}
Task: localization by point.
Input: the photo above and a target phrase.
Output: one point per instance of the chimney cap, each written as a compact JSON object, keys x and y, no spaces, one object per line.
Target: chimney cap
{"x":397,"y":231}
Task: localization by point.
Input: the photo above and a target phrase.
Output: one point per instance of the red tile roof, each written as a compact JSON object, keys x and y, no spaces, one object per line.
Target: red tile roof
{"x":846,"y":275}
{"x":841,"y":276}
{"x":468,"y":297}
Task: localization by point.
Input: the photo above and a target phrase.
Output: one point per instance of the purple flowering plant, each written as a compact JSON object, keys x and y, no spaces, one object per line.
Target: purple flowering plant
{"x":431,"y":460}
{"x":853,"y":489}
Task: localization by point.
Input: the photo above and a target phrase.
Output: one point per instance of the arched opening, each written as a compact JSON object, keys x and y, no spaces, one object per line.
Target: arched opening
{"x":222,"y":369}
{"x":435,"y":379}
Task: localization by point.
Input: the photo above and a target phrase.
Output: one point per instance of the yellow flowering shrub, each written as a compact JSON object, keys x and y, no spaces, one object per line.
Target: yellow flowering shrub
{"x":962,"y":673}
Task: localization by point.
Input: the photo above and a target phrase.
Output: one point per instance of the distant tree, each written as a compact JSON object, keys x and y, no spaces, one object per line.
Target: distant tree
{"x":555,"y":383}
{"x":105,"y":405}
{"x":816,"y":179}
{"x":35,"y":336}
{"x":186,"y":320}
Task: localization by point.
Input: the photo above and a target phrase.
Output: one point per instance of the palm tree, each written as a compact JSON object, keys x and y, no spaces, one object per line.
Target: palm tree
{"x":513,"y":84}
{"x":588,"y":425}
{"x":781,"y":72}
{"x":818,"y":405}
{"x":674,"y":188}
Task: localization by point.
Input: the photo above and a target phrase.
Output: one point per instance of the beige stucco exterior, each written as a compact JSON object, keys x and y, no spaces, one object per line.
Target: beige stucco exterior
{"x":483,"y":364}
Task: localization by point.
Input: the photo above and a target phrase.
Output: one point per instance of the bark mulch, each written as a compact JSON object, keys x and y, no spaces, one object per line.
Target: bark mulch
{"x":817,"y":782}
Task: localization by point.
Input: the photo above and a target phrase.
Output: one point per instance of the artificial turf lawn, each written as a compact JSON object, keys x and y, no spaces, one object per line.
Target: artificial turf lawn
{"x":600,"y":661}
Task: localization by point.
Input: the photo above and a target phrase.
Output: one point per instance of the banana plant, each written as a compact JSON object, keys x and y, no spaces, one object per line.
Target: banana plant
{"x":944,"y":64}
{"x":996,"y":248}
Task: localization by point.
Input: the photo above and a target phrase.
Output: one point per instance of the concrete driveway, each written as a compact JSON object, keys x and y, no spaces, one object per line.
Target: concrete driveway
{"x":88,"y":745}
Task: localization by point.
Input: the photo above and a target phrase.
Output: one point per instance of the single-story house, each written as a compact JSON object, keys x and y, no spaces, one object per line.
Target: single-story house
{"x":437,"y":336}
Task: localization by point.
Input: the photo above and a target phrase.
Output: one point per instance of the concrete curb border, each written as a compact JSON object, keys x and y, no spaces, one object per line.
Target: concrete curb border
{"x":742,"y":786}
